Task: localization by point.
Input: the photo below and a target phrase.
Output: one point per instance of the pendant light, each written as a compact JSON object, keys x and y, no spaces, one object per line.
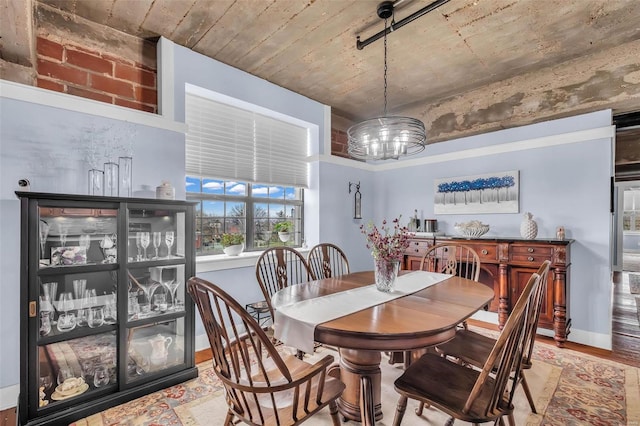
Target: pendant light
{"x":386,"y":137}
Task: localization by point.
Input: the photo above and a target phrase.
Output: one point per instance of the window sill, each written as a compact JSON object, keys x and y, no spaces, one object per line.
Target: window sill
{"x":220,"y":262}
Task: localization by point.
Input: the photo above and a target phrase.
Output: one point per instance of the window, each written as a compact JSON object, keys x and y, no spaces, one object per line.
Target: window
{"x":247,"y":167}
{"x":252,"y":210}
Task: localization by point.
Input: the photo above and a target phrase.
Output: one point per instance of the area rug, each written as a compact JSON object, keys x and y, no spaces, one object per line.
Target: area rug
{"x":570,"y":388}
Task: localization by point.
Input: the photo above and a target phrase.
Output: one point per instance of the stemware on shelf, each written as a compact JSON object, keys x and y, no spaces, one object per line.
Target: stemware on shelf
{"x":169,"y":240}
{"x":44,"y":233}
{"x":148,"y":288}
{"x":96,"y":316}
{"x":110,"y":309}
{"x":79,"y":287}
{"x":157,"y":240}
{"x":172,"y":286}
{"x":84,"y":241}
{"x":108,"y":246}
{"x":67,"y":319}
{"x":100,"y":376}
{"x":144,"y":242}
{"x":45,"y":322}
{"x":139,"y":245}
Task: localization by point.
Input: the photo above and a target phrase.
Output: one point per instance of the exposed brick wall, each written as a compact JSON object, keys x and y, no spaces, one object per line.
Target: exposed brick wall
{"x":339,"y":143}
{"x":79,"y":71}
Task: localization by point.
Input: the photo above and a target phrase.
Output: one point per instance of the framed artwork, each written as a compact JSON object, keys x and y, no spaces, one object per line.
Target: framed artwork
{"x":489,"y":193}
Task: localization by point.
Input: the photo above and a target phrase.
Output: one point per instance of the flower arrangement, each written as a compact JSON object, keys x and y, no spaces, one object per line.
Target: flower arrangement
{"x":387,"y":242}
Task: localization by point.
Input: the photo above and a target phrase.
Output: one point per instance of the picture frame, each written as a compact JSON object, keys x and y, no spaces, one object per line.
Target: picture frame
{"x":497,"y":192}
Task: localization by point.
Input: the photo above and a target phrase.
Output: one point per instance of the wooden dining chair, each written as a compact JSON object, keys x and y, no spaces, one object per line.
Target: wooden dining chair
{"x":475,"y":396}
{"x":452,"y":259}
{"x":445,"y":258}
{"x":471,"y":348}
{"x":262,"y":386}
{"x":280,"y":267}
{"x":327,"y":260}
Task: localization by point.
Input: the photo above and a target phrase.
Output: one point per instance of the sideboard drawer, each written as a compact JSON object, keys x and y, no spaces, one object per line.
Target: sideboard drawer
{"x":535,"y":260}
{"x":486,"y":252}
{"x":417,"y":247}
{"x":530,"y":250}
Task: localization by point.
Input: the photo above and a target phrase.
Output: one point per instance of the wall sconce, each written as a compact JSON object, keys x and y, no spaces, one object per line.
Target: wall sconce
{"x":357,"y":200}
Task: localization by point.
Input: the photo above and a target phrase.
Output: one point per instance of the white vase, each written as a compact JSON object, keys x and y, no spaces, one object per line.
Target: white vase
{"x":284,"y":236}
{"x":528,"y":227}
{"x":233,"y":250}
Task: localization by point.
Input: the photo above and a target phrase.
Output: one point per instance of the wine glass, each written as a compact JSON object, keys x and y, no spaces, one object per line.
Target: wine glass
{"x":157,"y":239}
{"x":100,"y":376}
{"x":44,"y":233}
{"x":172,"y":286}
{"x":149,"y":288}
{"x":144,"y":242}
{"x":169,"y":240}
{"x":138,"y":244}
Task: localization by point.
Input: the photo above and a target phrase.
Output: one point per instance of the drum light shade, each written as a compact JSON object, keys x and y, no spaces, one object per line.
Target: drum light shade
{"x":385,"y":138}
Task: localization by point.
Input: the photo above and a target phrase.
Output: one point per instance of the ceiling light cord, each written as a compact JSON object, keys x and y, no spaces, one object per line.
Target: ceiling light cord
{"x":385,"y":70}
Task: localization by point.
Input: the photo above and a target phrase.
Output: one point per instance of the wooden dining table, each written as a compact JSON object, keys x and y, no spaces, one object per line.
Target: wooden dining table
{"x":415,"y":321}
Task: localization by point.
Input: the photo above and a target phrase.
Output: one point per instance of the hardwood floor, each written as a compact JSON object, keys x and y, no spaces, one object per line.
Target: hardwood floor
{"x":625,"y":326}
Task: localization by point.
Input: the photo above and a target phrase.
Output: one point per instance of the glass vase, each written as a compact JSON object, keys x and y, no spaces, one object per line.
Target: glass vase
{"x":111,"y":179}
{"x":125,"y":173}
{"x":386,"y":272}
{"x":96,"y":180}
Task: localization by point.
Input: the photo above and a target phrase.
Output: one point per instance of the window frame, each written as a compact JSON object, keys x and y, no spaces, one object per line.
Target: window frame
{"x":249,"y":201}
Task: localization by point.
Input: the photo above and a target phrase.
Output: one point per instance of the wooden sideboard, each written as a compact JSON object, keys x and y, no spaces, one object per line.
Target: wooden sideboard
{"x":507,"y":264}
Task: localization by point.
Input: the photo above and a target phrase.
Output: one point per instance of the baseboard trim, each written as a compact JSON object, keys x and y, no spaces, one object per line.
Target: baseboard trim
{"x":9,"y":396}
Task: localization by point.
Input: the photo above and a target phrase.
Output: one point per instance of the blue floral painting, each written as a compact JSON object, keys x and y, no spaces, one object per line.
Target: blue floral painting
{"x":490,"y":193}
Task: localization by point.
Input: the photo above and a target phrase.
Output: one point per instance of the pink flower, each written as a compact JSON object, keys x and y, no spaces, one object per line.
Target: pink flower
{"x":387,"y":243}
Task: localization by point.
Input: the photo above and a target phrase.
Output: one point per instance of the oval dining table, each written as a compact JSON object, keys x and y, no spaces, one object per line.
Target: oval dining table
{"x":415,"y":321}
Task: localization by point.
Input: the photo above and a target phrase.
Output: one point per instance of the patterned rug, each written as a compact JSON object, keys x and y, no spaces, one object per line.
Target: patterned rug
{"x":570,"y":388}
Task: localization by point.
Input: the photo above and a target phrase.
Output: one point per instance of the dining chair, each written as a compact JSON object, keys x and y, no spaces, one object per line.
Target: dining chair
{"x":452,"y":259}
{"x":445,"y":258}
{"x":327,"y":260}
{"x":280,"y":267}
{"x":468,"y":394}
{"x":262,"y":386}
{"x":471,"y":348}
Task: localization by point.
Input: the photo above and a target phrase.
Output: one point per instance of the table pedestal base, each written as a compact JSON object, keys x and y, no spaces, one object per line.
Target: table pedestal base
{"x":360,"y":372}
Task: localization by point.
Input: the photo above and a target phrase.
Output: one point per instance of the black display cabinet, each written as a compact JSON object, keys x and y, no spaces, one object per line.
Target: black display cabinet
{"x":105,"y":317}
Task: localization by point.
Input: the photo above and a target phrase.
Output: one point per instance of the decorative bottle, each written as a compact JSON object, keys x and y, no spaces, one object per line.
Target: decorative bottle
{"x":528,"y":227}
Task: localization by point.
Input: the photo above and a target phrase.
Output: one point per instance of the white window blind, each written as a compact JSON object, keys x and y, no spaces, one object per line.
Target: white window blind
{"x":227,"y":142}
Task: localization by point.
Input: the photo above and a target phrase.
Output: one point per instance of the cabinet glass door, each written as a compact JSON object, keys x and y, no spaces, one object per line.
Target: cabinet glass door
{"x":77,"y":236}
{"x":156,"y":235}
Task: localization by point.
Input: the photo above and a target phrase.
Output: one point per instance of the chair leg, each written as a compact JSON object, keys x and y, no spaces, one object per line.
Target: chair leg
{"x":527,"y":392}
{"x":333,"y":410}
{"x":400,"y":409}
{"x":421,"y":408}
{"x":228,"y":421}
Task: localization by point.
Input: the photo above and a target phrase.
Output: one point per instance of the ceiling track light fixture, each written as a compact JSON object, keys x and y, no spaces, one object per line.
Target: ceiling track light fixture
{"x":384,"y":138}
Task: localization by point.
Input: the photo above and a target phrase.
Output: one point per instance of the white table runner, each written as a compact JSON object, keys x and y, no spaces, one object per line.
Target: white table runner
{"x":295,"y":323}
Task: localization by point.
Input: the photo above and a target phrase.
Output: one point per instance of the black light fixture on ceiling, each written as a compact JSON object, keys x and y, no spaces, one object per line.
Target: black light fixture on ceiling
{"x":388,"y":137}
